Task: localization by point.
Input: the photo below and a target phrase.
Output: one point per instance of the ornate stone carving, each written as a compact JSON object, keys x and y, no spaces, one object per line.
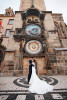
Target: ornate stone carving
{"x":9,"y":12}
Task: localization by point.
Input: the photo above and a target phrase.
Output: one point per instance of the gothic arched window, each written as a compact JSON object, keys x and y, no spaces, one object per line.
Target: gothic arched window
{"x":56,"y":27}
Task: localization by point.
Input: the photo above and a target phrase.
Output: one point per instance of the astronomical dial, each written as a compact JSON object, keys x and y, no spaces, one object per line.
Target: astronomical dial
{"x":33,"y":29}
{"x":33,"y":47}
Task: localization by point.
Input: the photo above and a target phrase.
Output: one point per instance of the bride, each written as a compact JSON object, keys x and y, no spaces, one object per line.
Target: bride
{"x":38,"y":86}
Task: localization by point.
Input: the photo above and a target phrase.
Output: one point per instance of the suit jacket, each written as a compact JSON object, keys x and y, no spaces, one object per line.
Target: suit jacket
{"x":30,"y":68}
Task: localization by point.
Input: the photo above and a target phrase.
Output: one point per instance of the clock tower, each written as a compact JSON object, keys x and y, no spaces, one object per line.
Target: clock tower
{"x":32,"y":39}
{"x":37,"y":33}
{"x":39,"y":4}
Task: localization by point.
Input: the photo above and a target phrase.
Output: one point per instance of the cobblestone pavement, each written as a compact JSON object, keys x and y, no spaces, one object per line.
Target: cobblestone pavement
{"x":16,"y":88}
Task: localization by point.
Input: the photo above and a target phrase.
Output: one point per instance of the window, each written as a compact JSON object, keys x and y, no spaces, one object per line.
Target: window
{"x":19,"y":32}
{"x":36,"y":20}
{"x":56,"y":27}
{"x":7,"y":13}
{"x":11,"y":21}
{"x":8,"y":33}
{"x":66,"y":27}
{"x":29,"y":20}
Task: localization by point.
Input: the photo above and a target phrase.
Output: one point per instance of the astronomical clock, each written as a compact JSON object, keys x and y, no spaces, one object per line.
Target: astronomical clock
{"x":32,"y":33}
{"x":33,"y":46}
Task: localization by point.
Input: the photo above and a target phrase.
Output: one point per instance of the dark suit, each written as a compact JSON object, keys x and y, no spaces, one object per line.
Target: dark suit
{"x":30,"y":71}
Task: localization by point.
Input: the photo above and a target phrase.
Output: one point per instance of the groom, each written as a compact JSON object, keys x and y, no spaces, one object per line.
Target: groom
{"x":30,"y":70}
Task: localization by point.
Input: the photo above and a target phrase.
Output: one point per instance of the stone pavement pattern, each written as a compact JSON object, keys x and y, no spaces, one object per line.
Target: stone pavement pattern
{"x":16,"y":88}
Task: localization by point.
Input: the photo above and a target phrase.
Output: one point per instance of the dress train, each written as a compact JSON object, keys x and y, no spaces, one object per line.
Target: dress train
{"x":38,"y":86}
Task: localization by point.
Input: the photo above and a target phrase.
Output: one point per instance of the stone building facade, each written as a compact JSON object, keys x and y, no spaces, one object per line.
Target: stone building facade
{"x":32,"y":33}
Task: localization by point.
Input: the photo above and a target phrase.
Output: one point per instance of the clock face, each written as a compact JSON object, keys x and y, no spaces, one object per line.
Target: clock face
{"x":33,"y":47}
{"x":33,"y":30}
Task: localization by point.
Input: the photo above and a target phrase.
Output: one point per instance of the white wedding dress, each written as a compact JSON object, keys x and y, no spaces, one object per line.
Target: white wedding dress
{"x":38,"y":86}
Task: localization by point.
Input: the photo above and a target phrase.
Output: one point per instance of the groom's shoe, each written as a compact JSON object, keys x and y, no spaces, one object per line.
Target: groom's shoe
{"x":27,"y":82}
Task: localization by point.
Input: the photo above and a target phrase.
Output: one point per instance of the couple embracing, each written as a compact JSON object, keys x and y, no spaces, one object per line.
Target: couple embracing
{"x":31,"y":64}
{"x":37,"y":85}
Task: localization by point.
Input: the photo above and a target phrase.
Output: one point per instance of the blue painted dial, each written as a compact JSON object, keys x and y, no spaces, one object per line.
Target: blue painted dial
{"x":33,"y":29}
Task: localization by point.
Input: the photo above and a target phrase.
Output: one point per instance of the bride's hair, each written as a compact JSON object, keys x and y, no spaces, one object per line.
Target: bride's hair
{"x":34,"y":60}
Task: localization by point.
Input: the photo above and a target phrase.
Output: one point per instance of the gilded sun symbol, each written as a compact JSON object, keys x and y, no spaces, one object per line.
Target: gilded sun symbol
{"x":33,"y":46}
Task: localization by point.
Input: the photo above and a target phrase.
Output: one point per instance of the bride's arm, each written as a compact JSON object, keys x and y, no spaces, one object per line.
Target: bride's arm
{"x":33,"y":64}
